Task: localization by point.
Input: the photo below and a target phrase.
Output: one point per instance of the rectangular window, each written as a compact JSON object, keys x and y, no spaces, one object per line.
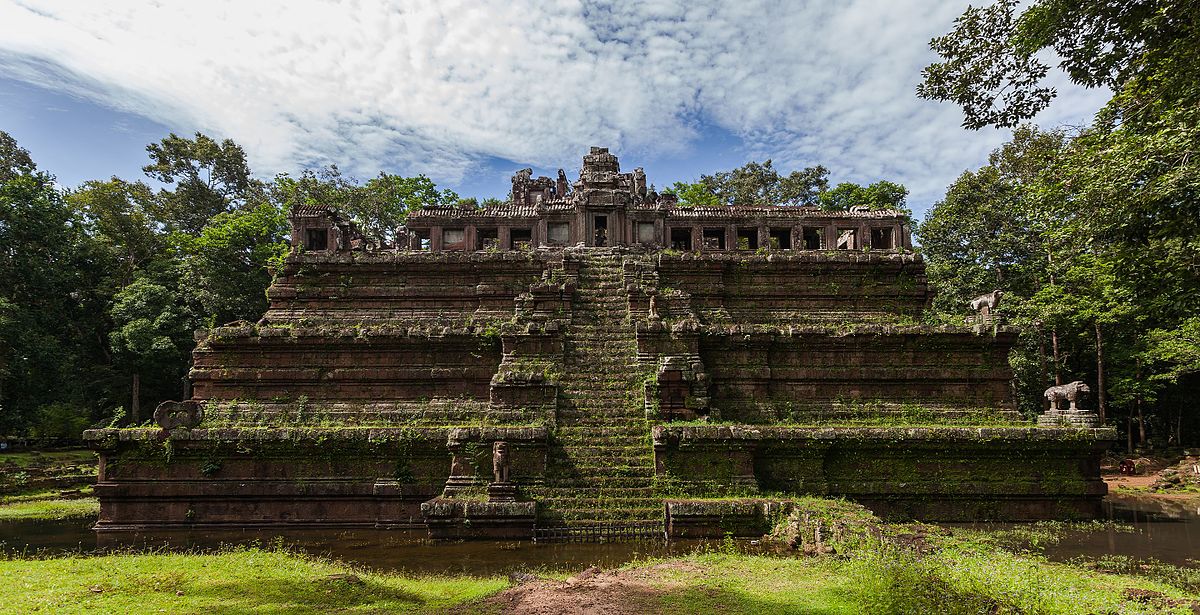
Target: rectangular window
{"x":645,"y":233}
{"x":488,"y":238}
{"x":781,"y":239}
{"x":714,"y":239}
{"x":521,"y":237}
{"x":814,"y":238}
{"x":681,"y":239}
{"x":847,"y":239}
{"x":747,"y":239}
{"x":422,"y":235}
{"x":881,"y":239}
{"x":316,"y":239}
{"x":453,"y":238}
{"x":558,"y":233}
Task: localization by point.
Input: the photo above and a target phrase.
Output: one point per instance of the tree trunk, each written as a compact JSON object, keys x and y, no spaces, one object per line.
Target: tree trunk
{"x":1129,"y":434}
{"x":135,"y":413}
{"x":1054,"y":348}
{"x":1137,"y":402}
{"x":1041,"y":357}
{"x":1101,"y":397}
{"x":1179,"y":428}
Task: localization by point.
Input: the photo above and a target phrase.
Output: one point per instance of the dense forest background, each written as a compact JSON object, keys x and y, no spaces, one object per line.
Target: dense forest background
{"x":1093,"y":233}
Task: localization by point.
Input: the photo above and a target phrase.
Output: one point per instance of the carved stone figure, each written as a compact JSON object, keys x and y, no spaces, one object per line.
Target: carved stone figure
{"x":500,"y":464}
{"x":520,"y":185}
{"x":654,"y":307}
{"x":984,"y":304}
{"x":1070,"y":392}
{"x":171,"y":415}
{"x":562,"y":187}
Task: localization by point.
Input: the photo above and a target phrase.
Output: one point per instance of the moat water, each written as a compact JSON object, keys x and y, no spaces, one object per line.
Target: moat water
{"x":1153,"y":528}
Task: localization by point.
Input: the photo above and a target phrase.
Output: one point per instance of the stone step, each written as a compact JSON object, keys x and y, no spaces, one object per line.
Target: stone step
{"x":609,"y":471}
{"x":602,"y":514}
{"x":597,"y":482}
{"x":596,"y":431}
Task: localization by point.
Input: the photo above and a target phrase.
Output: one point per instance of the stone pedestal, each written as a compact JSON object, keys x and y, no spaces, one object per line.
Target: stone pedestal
{"x":502,"y":492}
{"x":450,"y":519}
{"x":1069,"y":418}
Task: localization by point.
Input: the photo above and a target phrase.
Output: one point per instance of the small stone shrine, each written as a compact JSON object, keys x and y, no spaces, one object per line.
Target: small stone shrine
{"x":586,"y":354}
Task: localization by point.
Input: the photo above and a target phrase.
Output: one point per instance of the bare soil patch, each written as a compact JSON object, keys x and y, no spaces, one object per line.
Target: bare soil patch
{"x":616,"y":592}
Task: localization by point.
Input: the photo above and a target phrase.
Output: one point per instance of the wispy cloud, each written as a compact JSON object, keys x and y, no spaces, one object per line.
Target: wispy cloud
{"x":437,"y":86}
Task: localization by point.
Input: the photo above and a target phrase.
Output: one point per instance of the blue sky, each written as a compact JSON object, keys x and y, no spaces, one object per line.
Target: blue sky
{"x":468,"y":92}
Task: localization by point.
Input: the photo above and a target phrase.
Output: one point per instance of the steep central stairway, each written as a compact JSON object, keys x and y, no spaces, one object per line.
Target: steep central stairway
{"x":600,"y":462}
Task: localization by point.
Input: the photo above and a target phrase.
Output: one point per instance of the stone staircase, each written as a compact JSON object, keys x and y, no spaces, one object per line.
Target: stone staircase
{"x":600,"y":462}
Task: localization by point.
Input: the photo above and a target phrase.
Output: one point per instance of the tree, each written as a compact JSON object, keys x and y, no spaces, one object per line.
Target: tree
{"x":754,"y":184}
{"x":990,"y":66}
{"x":48,"y":318}
{"x":381,"y":205}
{"x":117,"y":214}
{"x":226,"y":269}
{"x":208,"y":178}
{"x":150,"y":332}
{"x":378,"y":207}
{"x":879,"y":195}
{"x":14,"y":160}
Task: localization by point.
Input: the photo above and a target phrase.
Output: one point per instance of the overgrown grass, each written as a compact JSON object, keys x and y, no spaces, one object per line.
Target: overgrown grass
{"x":50,"y":509}
{"x":973,"y":578}
{"x":49,"y":505}
{"x":243,"y":580}
{"x":961,"y":580}
{"x":28,"y":458}
{"x":730,"y":583}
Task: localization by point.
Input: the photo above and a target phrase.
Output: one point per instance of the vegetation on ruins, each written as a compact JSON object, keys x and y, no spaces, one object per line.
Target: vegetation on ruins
{"x":1091,"y":232}
{"x":758,"y":184}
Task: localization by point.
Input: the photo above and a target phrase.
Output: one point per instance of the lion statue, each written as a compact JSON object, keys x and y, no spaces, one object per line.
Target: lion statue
{"x":1070,"y":392}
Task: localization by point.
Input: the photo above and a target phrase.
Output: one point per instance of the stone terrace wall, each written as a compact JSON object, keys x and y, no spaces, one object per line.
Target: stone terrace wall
{"x":794,"y":288}
{"x":240,"y":478}
{"x":814,"y":373}
{"x":360,"y":287}
{"x":930,"y":473}
{"x":265,"y":363}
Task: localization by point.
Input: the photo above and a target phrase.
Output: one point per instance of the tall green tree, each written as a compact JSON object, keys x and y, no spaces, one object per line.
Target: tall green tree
{"x":1119,"y":203}
{"x":754,"y":184}
{"x":226,"y":269}
{"x":151,"y":333}
{"x":882,"y":194}
{"x":48,"y":317}
{"x":204,"y":178}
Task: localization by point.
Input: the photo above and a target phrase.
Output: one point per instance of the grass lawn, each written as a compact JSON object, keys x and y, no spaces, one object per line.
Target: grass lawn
{"x":48,"y":505}
{"x":236,"y":581}
{"x":950,"y":575}
{"x":953,"y":581}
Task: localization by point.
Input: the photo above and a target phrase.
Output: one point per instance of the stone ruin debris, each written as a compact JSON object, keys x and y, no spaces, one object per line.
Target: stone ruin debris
{"x":578,"y":356}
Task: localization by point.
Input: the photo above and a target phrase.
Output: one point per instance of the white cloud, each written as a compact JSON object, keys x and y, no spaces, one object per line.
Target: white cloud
{"x":436,"y":86}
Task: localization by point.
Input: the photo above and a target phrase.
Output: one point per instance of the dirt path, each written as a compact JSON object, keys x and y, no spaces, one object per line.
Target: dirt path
{"x":618,"y":592}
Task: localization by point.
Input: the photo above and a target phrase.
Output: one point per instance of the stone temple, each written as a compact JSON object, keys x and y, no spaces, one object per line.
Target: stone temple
{"x":588,"y":354}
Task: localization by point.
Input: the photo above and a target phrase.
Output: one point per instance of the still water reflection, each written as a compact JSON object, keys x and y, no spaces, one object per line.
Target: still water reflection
{"x":1166,"y":530}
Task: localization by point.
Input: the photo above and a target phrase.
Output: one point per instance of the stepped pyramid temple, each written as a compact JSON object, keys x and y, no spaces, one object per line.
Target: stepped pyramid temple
{"x":592,"y":355}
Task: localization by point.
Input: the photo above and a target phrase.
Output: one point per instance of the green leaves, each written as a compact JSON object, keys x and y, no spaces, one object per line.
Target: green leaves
{"x":753,"y":184}
{"x":988,"y":70}
{"x":208,"y":178}
{"x":378,"y":207}
{"x":879,"y":195}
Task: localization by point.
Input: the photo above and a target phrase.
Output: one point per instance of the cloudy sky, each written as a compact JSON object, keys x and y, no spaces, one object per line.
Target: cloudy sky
{"x":468,"y":92}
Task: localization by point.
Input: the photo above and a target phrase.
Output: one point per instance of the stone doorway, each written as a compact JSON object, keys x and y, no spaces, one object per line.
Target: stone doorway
{"x":600,"y":232}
